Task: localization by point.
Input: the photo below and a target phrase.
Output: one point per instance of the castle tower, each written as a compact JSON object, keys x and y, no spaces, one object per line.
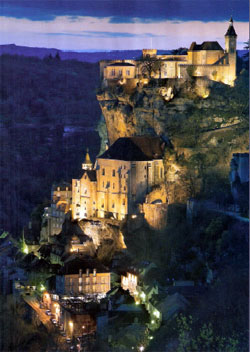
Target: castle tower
{"x":87,"y":165}
{"x":230,"y":48}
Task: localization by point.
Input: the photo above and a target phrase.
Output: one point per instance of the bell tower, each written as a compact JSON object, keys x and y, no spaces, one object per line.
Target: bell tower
{"x":230,"y":49}
{"x":87,"y":165}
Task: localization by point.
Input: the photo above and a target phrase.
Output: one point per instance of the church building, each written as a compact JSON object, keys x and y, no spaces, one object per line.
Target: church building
{"x":120,"y":179}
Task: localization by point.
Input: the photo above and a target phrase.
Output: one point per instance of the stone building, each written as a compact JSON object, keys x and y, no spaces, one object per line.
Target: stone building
{"x":54,"y":215}
{"x":87,"y":284}
{"x":122,"y":177}
{"x":208,"y":59}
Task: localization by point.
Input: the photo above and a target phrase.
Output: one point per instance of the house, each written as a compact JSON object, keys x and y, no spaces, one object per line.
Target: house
{"x":54,"y":215}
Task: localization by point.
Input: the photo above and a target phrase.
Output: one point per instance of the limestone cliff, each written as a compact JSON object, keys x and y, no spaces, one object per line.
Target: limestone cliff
{"x":205,"y":121}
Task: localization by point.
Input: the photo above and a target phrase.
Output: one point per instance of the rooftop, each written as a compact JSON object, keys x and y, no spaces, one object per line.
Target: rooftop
{"x":139,"y":148}
{"x":121,"y":64}
{"x":205,"y":46}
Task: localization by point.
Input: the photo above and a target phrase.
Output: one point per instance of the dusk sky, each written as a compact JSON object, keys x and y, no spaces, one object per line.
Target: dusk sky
{"x":84,"y":25}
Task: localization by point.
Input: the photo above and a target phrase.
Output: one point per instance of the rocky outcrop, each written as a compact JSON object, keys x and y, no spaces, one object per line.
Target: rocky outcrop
{"x":205,"y":122}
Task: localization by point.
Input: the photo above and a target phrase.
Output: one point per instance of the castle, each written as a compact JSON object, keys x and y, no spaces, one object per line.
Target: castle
{"x":120,"y":179}
{"x":208,"y":59}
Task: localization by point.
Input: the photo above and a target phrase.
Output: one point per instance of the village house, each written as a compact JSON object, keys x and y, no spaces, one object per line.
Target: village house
{"x":208,"y":59}
{"x":54,"y":216}
{"x":120,"y":180}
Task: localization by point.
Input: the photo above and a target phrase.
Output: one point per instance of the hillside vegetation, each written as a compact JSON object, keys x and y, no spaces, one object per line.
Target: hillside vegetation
{"x":48,"y":116}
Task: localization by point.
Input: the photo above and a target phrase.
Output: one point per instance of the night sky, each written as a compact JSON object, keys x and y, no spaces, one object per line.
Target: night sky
{"x":118,"y":24}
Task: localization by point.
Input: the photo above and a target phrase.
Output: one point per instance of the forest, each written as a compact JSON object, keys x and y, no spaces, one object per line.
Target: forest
{"x":48,"y":113}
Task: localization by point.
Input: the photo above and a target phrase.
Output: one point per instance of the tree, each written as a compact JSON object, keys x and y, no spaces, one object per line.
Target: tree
{"x":150,"y":65}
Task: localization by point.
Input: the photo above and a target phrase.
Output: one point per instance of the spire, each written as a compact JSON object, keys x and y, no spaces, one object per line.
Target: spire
{"x":231,"y":31}
{"x":87,"y":157}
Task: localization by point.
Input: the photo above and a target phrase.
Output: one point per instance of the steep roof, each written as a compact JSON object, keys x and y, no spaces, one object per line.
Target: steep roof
{"x":91,"y":174}
{"x":140,"y":148}
{"x":205,"y":46}
{"x":231,"y":31}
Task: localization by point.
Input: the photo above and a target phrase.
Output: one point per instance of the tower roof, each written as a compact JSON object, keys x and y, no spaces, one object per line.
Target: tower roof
{"x":87,"y":158}
{"x":231,"y":31}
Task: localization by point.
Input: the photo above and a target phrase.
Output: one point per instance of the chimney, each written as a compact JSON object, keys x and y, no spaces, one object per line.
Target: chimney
{"x":94,"y":272}
{"x":87,"y":272}
{"x":80,"y":273}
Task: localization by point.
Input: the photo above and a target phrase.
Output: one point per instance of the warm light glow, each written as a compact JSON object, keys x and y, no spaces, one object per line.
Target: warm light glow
{"x":83,"y":327}
{"x":152,"y":321}
{"x":141,"y":348}
{"x":71,"y":324}
{"x":135,"y":293}
{"x":136,"y":302}
{"x":134,"y":216}
{"x":150,"y":337}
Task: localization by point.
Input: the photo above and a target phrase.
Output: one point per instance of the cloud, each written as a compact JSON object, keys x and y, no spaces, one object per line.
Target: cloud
{"x":88,"y":33}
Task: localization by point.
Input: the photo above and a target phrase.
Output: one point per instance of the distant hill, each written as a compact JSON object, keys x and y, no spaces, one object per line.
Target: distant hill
{"x":13,"y":49}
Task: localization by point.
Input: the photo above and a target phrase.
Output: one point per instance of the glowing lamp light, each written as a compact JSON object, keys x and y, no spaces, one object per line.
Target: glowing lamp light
{"x":142,"y":295}
{"x":157,"y":314}
{"x":137,"y":303}
{"x":141,"y":348}
{"x":135,"y":293}
{"x":71,"y":324}
{"x":83,"y":327}
{"x":150,"y":337}
{"x":152,"y":321}
{"x":26,"y":250}
{"x":42,"y":288}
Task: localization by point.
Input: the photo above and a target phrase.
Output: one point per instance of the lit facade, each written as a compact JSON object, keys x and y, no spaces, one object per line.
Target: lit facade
{"x":54,"y":216}
{"x":122,"y":177}
{"x":208,"y":59}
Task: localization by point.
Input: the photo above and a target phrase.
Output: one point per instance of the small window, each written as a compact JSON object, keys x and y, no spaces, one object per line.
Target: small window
{"x":120,"y":72}
{"x":124,"y":188}
{"x":113,"y":185}
{"x":145,"y":167}
{"x":123,"y":202}
{"x":113,"y":72}
{"x":103,"y":172}
{"x":103,"y":184}
{"x":128,"y":72}
{"x":113,"y":205}
{"x":113,"y":173}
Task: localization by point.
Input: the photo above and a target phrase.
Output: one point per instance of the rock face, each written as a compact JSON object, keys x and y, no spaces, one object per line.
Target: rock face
{"x":205,"y":122}
{"x":103,"y":230}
